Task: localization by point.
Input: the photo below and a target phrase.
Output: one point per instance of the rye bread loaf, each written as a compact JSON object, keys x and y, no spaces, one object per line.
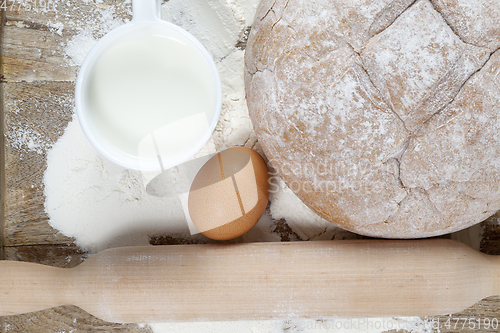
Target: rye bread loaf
{"x":381,"y":115}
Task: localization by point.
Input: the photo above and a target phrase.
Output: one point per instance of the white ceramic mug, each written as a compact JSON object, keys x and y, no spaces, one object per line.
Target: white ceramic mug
{"x":167,"y":143}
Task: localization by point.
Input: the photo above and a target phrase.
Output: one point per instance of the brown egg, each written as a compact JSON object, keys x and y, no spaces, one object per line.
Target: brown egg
{"x":229,"y":194}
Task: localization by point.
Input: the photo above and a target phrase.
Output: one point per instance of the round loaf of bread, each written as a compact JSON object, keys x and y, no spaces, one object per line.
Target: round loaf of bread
{"x":381,"y":115}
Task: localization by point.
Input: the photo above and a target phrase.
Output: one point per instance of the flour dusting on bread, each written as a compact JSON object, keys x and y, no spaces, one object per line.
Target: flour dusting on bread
{"x":382,"y":116}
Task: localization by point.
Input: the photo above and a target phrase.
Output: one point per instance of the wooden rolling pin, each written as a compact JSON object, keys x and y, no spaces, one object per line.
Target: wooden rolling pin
{"x":260,"y":281}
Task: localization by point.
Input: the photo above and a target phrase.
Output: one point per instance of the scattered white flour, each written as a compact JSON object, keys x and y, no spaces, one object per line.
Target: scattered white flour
{"x":90,"y":31}
{"x":103,"y":205}
{"x":28,"y":139}
{"x":303,"y":221}
{"x":25,"y":134}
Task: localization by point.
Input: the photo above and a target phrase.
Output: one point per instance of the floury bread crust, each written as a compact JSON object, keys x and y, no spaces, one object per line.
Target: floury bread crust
{"x":381,"y":115}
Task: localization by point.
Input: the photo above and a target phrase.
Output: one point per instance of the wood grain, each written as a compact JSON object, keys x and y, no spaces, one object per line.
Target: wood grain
{"x":491,"y":235}
{"x":35,"y":61}
{"x":2,"y":144}
{"x":36,"y":87}
{"x":66,"y":319}
{"x":40,"y":111}
{"x":34,"y":46}
{"x":220,"y":282}
{"x":2,"y":154}
{"x":227,"y":258}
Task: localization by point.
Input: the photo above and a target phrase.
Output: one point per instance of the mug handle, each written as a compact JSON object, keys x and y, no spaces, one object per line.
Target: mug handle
{"x":146,"y":10}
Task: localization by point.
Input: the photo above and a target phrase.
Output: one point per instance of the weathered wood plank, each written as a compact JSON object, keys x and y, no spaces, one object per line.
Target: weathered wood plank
{"x":2,"y":144}
{"x":35,"y":38}
{"x":467,"y":320}
{"x":64,"y":256}
{"x":491,"y":236}
{"x":66,"y":319}
{"x":36,"y":115}
{"x":40,"y":59}
{"x":31,"y":50}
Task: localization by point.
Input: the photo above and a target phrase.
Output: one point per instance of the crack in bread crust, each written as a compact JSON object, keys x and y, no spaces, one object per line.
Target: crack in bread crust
{"x":418,"y":130}
{"x":389,"y":15}
{"x":450,"y":25}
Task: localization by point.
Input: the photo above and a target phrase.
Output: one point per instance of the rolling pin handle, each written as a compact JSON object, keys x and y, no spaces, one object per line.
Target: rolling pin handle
{"x":28,"y":287}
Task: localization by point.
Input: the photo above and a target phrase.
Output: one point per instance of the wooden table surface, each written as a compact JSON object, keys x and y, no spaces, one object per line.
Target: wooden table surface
{"x":35,"y":79}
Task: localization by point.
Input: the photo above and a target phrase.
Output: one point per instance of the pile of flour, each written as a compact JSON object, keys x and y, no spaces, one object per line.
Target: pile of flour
{"x":103,"y":205}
